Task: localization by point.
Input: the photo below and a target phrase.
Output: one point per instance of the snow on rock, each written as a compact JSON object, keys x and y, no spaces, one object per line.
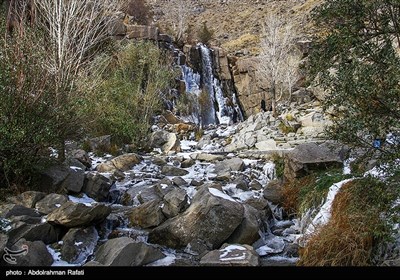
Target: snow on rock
{"x":346,"y":166}
{"x":231,"y":253}
{"x":187,"y":145}
{"x":220,"y":194}
{"x":84,"y":200}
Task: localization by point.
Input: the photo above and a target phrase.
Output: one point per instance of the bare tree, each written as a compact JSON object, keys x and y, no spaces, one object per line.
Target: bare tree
{"x":75,"y":30}
{"x":178,"y":12}
{"x":291,"y":71}
{"x":277,"y":46}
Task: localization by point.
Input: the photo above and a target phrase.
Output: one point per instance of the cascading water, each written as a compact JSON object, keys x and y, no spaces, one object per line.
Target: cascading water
{"x":212,"y":104}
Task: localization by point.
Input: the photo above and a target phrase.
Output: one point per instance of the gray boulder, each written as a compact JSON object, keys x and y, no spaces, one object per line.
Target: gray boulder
{"x":223,"y":168}
{"x":248,"y":230}
{"x":79,"y":244}
{"x":123,"y":163}
{"x":170,"y":170}
{"x":179,"y":182}
{"x":97,"y":186}
{"x":307,"y":157}
{"x":147,"y":215}
{"x":187,"y":163}
{"x":12,"y":210}
{"x":77,"y":214}
{"x":124,"y":251}
{"x":149,"y":194}
{"x":212,"y":217}
{"x":175,"y":202}
{"x":44,"y":232}
{"x":53,"y":177}
{"x":50,"y":203}
{"x":35,"y":255}
{"x":82,"y":157}
{"x":273,"y":192}
{"x":27,"y":199}
{"x":74,"y":181}
{"x":164,"y":140}
{"x":231,"y":255}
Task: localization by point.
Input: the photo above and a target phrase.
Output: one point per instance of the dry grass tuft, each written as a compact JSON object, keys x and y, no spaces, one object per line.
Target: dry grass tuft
{"x":355,"y":228}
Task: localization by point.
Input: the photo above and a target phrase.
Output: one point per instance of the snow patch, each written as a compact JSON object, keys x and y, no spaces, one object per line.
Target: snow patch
{"x":232,"y":252}
{"x":324,"y":213}
{"x":346,"y":166}
{"x":84,"y":200}
{"x":75,"y":168}
{"x":78,"y":243}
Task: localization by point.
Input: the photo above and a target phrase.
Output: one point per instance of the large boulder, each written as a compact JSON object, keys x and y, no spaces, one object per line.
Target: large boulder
{"x":79,"y":244}
{"x":12,"y":210}
{"x":307,"y":157}
{"x":165,"y":140}
{"x":124,"y":251}
{"x":147,"y":215}
{"x":97,"y":186}
{"x":123,"y":163}
{"x":44,"y":232}
{"x":248,"y":230}
{"x":77,"y":214}
{"x":127,"y":161}
{"x":32,"y":254}
{"x":231,"y":255}
{"x":53,"y":177}
{"x":74,"y":181}
{"x":50,"y":203}
{"x":27,"y":199}
{"x":212,"y":217}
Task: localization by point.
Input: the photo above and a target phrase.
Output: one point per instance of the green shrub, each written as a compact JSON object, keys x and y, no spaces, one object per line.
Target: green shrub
{"x":310,"y":191}
{"x":30,"y":120}
{"x":124,"y":91}
{"x":279,"y":165}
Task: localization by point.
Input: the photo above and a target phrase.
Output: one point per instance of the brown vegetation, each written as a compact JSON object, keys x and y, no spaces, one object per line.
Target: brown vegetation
{"x":355,"y":228}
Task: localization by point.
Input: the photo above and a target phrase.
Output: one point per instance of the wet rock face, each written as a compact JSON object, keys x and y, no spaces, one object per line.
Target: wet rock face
{"x":210,"y":218}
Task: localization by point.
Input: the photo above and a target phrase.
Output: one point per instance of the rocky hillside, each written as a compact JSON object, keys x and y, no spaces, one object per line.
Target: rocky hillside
{"x":237,"y":24}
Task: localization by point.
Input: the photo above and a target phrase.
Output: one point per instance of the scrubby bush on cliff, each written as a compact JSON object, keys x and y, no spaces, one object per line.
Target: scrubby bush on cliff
{"x":356,"y":58}
{"x":123,"y":91}
{"x":30,"y":120}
